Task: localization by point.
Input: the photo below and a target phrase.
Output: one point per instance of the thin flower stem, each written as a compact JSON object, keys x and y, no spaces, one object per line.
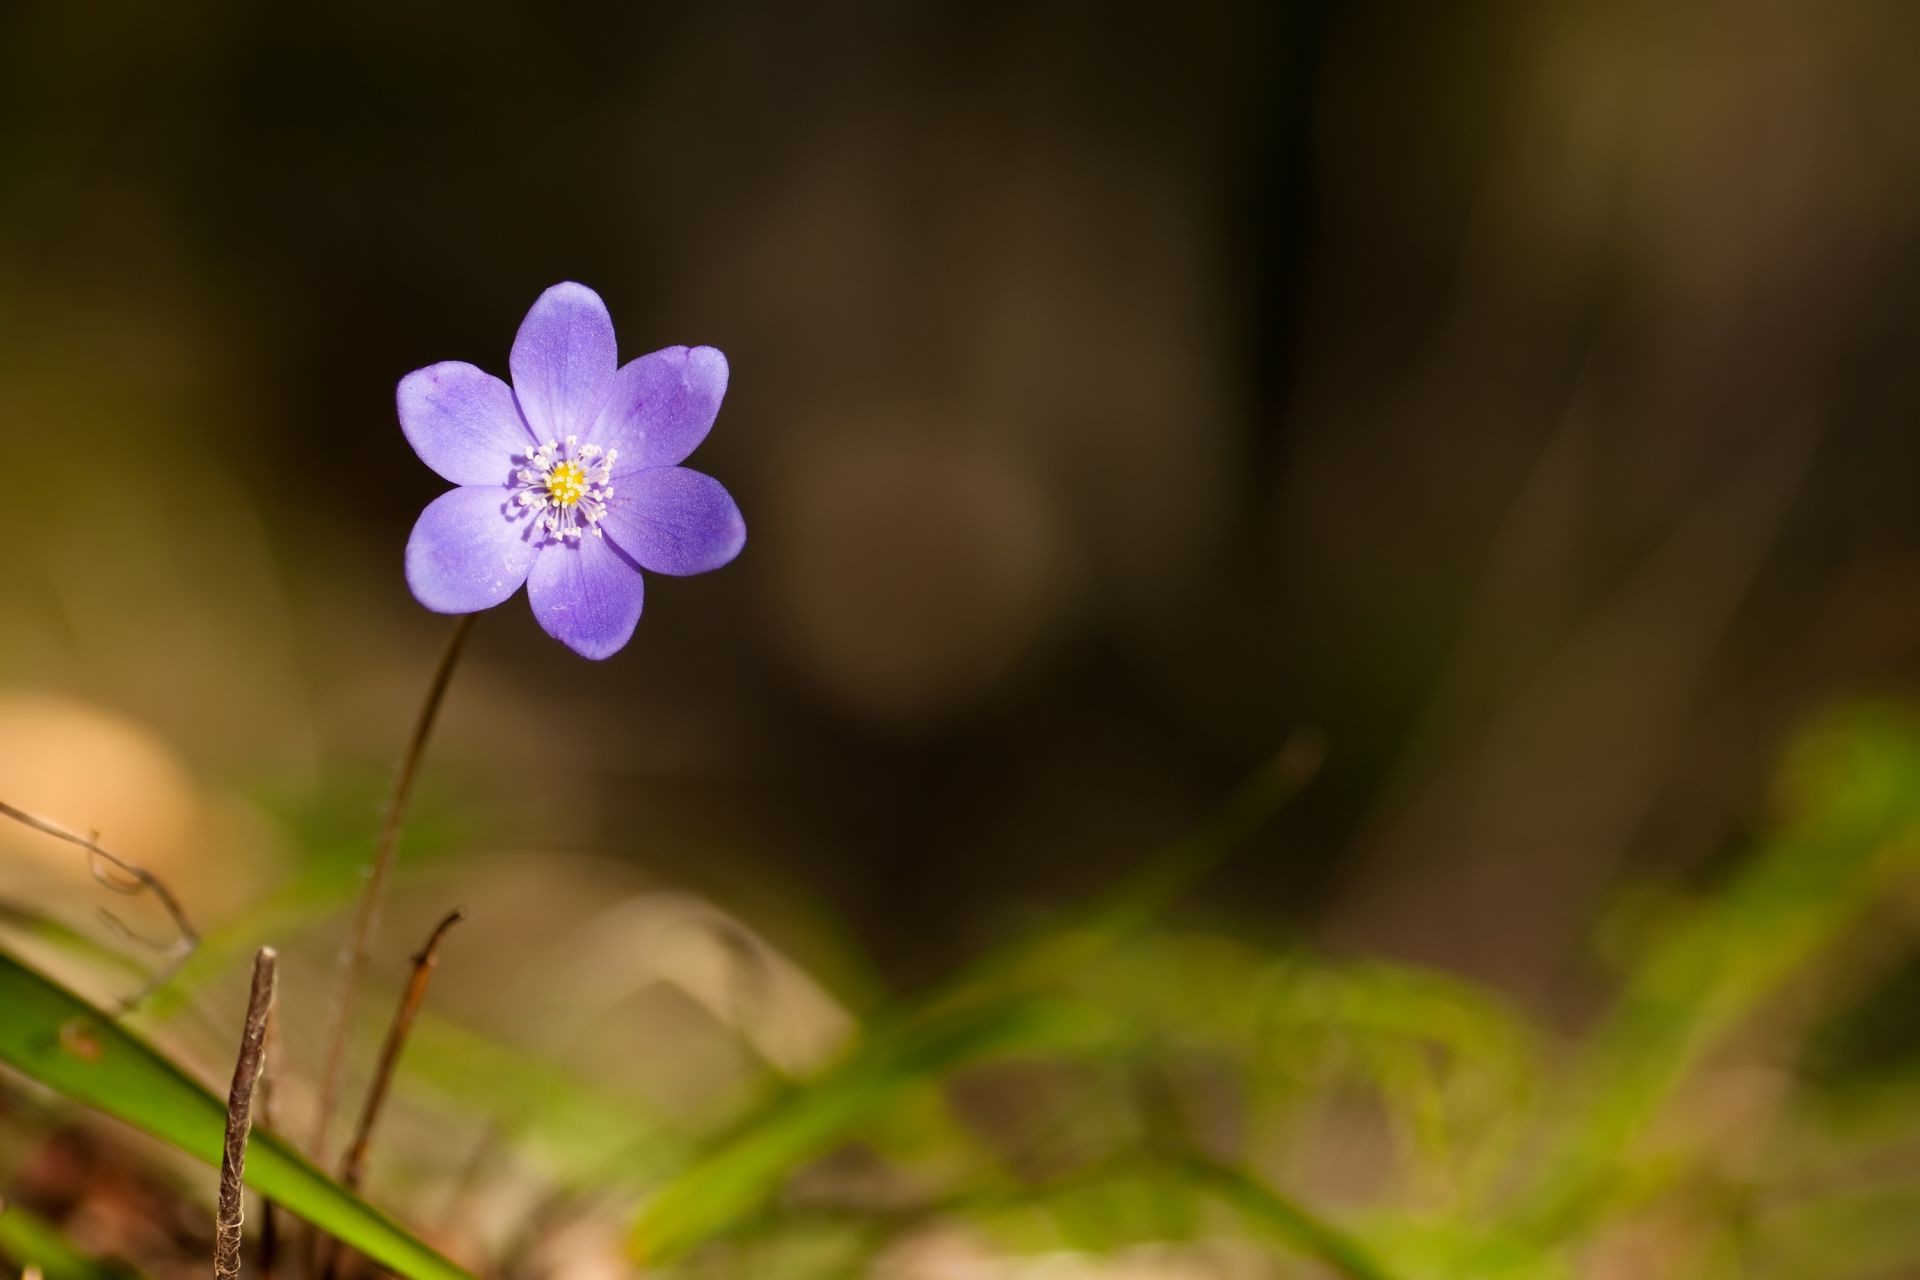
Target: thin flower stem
{"x":138,"y":880}
{"x":227,"y":1227}
{"x":353,"y":1168}
{"x":353,"y":960}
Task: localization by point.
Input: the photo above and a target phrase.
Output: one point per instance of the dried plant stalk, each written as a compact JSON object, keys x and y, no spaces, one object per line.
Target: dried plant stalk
{"x":353,"y":961}
{"x":227,"y":1227}
{"x":353,"y":1168}
{"x":269,"y":1213}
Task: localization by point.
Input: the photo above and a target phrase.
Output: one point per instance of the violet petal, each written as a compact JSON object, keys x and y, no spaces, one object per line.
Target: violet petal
{"x":462,"y":422}
{"x":587,"y":596}
{"x":465,"y":554}
{"x":661,"y":406}
{"x":563,"y":361}
{"x":675,"y":520}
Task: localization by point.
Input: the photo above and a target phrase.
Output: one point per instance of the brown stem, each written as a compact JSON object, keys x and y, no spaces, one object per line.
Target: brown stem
{"x":139,"y":880}
{"x":269,"y":1213}
{"x":353,"y":960}
{"x":227,"y":1227}
{"x":353,"y":1169}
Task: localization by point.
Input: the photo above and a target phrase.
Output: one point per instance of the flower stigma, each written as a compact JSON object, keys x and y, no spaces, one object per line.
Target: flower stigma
{"x":566,"y":487}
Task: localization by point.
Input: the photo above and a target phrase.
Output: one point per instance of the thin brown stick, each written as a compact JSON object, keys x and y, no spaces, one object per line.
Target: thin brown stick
{"x":139,"y":880}
{"x":353,"y":1169}
{"x":353,"y":960}
{"x":227,"y":1227}
{"x":269,"y":1213}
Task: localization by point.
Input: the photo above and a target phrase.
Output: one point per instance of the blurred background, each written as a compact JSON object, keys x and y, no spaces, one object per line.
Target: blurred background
{"x":1519,"y":397}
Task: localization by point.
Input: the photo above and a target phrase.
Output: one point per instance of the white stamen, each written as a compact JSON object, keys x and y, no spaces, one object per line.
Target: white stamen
{"x":565,"y":489}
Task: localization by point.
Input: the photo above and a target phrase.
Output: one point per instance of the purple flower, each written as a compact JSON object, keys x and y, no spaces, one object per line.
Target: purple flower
{"x":569,"y":479}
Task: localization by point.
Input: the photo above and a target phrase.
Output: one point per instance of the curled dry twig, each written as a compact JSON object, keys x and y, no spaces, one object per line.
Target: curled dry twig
{"x":227,"y":1227}
{"x":121,"y":876}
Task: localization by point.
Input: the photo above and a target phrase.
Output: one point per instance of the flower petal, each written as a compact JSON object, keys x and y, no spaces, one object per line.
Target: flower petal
{"x":661,"y":406}
{"x":674,"y":520}
{"x":466,"y":554}
{"x":462,"y":422}
{"x":563,"y":360}
{"x":587,"y":596}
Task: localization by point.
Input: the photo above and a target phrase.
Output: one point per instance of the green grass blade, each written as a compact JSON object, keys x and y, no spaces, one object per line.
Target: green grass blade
{"x":1289,"y":1223}
{"x":717,"y":1192}
{"x":58,"y":1039}
{"x":1007,"y":1001}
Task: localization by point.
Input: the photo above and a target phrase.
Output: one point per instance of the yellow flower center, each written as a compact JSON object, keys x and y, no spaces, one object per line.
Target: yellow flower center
{"x":565,"y":488}
{"x":567,"y":483}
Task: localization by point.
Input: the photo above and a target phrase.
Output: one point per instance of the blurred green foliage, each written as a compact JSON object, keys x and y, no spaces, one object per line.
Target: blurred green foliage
{"x":1679,"y":1111}
{"x":1147,"y":1083}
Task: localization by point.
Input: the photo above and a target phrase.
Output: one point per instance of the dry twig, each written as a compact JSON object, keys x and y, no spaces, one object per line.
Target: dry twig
{"x":269,"y":1213}
{"x":353,"y":1168}
{"x":227,"y":1227}
{"x":354,"y":959}
{"x":102,"y":864}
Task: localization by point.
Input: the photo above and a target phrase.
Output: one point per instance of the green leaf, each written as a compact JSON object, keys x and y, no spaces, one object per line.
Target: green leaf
{"x":58,"y":1039}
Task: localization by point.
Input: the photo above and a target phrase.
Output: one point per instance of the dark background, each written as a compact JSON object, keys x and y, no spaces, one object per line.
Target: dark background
{"x":1521,"y":395}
